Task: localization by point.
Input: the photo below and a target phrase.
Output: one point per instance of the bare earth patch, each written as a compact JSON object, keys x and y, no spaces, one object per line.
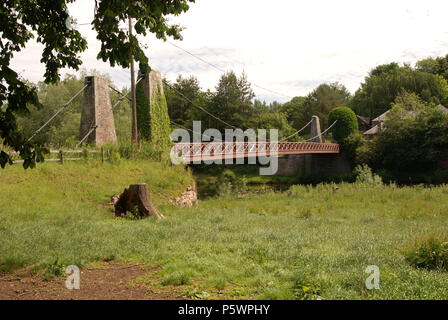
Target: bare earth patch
{"x":109,"y":282}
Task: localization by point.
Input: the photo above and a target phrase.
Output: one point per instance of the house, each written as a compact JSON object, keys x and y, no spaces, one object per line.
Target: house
{"x":363,"y":123}
{"x":377,"y":123}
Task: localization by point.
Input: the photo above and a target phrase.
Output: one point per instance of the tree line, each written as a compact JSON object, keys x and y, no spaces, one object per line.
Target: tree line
{"x":233,"y":101}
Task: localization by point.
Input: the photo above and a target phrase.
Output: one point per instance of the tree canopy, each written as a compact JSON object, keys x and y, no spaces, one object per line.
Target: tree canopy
{"x":319,"y":102}
{"x":232,"y":102}
{"x":386,"y":82}
{"x":181,"y":97}
{"x":414,"y":137}
{"x":437,"y":66}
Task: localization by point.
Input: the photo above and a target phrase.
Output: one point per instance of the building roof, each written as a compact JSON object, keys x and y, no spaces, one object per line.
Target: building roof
{"x":374,"y":130}
{"x":365,"y":120}
{"x":381,"y":117}
{"x":445,"y":110}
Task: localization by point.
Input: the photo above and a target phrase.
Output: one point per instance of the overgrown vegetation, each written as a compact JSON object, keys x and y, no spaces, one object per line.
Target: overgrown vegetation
{"x":346,"y":123}
{"x":160,"y":122}
{"x":414,"y":137}
{"x":429,"y":250}
{"x":365,"y":177}
{"x":143,"y":113}
{"x":307,"y":243}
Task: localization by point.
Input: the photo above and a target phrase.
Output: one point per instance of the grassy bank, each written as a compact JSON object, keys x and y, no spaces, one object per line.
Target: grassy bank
{"x":308,"y":242}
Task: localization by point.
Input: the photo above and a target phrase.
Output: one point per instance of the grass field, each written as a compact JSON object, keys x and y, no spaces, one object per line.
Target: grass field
{"x":305,"y":243}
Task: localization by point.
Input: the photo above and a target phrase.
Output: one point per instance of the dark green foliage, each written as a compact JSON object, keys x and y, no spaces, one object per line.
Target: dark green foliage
{"x":275,"y":120}
{"x":181,"y":96}
{"x":350,"y":145}
{"x":293,"y":111}
{"x":414,"y":137}
{"x":320,"y":102}
{"x":429,"y":251}
{"x":143,"y":115}
{"x":346,"y":125}
{"x":22,"y":20}
{"x":422,"y":176}
{"x":315,"y":179}
{"x":232,"y":102}
{"x":160,"y":122}
{"x":386,"y":82}
{"x":55,"y":268}
{"x":305,"y":289}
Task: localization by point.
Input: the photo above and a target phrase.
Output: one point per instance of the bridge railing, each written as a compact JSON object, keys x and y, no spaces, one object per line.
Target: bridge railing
{"x":224,"y":150}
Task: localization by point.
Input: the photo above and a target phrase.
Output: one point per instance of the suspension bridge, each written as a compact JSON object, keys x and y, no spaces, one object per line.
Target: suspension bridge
{"x":211,"y":151}
{"x":97,"y":126}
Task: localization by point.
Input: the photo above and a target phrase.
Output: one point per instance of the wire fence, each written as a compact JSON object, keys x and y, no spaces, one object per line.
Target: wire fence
{"x":69,"y":155}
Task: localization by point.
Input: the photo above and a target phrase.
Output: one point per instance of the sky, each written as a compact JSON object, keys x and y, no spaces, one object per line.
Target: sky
{"x":288,"y":47}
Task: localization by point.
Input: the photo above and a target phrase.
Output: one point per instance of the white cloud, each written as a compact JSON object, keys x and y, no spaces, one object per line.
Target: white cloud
{"x":287,"y":46}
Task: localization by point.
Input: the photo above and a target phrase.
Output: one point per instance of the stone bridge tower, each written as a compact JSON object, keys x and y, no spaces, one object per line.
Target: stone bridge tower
{"x":96,"y":105}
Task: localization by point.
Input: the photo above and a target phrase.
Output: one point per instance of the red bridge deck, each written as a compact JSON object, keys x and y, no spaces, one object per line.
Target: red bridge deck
{"x":202,"y":151}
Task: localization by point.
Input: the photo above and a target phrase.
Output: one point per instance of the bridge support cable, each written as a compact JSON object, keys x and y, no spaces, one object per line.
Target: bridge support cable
{"x":223,"y":71}
{"x":322,"y":132}
{"x":96,"y":125}
{"x":57,"y":112}
{"x":117,"y":91}
{"x":297,"y":132}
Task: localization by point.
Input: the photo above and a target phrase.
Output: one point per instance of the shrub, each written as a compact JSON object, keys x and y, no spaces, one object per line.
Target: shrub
{"x":129,"y":150}
{"x":55,"y":268}
{"x":228,"y":183}
{"x":177,"y":279}
{"x":365,"y":176}
{"x":350,"y":146}
{"x":346,"y":125}
{"x":435,"y":177}
{"x":429,"y":251}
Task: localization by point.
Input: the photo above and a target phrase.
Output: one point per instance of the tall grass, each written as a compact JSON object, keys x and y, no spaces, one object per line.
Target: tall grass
{"x":306,"y":243}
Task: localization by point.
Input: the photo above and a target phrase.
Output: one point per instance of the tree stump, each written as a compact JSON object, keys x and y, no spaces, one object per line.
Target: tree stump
{"x":136,"y":197}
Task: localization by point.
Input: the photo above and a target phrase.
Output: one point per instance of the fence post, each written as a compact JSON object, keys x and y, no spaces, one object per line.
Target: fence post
{"x":102,"y":154}
{"x":61,"y":156}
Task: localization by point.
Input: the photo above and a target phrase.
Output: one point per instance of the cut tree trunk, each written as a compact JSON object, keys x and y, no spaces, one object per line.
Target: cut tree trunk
{"x":136,"y":197}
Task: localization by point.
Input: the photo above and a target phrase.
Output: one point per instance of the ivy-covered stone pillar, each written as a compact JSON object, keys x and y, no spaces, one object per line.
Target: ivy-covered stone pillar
{"x":153,"y":121}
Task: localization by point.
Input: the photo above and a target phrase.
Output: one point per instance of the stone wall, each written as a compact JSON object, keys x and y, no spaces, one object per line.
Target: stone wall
{"x":312,"y":164}
{"x":96,"y":105}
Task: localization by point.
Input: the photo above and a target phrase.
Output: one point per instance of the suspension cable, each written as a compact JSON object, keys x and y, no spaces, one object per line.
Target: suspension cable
{"x":93,"y":128}
{"x":54,"y":116}
{"x":119,"y":92}
{"x":322,"y":132}
{"x":297,"y":132}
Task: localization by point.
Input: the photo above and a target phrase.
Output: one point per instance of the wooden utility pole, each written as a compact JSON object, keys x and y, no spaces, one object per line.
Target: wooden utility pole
{"x":134,"y":102}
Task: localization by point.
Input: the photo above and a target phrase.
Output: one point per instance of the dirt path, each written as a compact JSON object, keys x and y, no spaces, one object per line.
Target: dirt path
{"x":110,"y":282}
